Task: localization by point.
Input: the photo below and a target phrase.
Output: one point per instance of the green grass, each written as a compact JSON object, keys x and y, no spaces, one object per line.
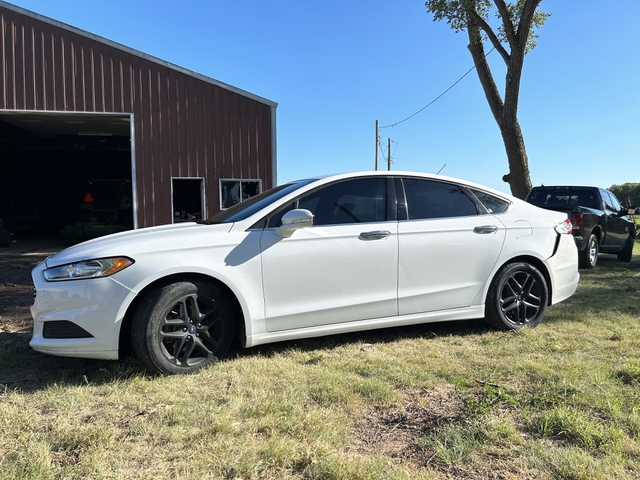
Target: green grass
{"x":432,"y":401}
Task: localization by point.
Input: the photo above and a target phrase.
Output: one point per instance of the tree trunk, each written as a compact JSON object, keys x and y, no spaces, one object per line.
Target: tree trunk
{"x":505,"y":112}
{"x":518,"y":178}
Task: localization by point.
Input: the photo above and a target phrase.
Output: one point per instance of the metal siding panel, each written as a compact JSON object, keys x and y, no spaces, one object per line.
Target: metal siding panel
{"x":184,"y":125}
{"x":201,"y":137}
{"x":183,"y":129}
{"x":39,"y":71}
{"x":193,"y":113}
{"x":173,"y":124}
{"x":29,"y":67}
{"x":18,"y":65}
{"x":6,"y":55}
{"x":227,"y":135}
{"x":58,"y":68}
{"x":209,"y":142}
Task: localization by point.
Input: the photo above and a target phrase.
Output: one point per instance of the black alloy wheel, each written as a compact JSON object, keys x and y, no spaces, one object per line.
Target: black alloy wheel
{"x":517,"y":297}
{"x":182,"y":327}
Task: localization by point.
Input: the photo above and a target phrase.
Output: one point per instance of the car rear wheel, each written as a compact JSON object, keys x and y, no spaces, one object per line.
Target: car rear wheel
{"x":182,"y":327}
{"x":589,"y":256}
{"x":517,"y":297}
{"x":627,"y":251}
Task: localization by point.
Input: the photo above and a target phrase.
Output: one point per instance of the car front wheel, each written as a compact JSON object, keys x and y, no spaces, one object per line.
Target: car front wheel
{"x":517,"y":297}
{"x":182,"y":327}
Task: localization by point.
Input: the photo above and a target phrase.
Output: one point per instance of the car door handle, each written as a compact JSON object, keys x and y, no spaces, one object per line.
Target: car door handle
{"x":485,"y":229}
{"x":375,"y":235}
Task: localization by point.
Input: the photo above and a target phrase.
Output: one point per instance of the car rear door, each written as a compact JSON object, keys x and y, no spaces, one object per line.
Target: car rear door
{"x":446,"y":249}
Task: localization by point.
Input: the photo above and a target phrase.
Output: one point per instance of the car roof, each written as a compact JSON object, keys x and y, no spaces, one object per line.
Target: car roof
{"x":401,"y":173}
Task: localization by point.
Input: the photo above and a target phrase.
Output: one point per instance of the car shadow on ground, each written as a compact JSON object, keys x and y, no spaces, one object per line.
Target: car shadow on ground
{"x":24,"y":369}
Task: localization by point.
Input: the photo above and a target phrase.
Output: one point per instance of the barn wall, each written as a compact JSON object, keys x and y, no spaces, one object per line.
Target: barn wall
{"x":185,"y":125}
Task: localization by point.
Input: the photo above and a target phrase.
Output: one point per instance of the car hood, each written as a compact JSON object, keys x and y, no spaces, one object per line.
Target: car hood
{"x":144,"y":240}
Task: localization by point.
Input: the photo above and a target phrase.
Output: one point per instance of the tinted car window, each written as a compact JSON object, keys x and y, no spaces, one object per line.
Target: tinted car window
{"x":562,"y":196}
{"x":611,"y":201}
{"x":353,"y":201}
{"x":430,"y":199}
{"x":492,"y":203}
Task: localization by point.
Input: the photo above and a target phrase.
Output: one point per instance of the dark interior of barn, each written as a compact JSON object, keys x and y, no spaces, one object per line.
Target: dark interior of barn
{"x":62,"y":172}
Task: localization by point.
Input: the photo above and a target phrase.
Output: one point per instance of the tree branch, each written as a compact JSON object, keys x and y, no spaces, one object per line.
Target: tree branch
{"x":486,"y":28}
{"x":507,"y":23}
{"x":526,"y":20}
{"x":484,"y":73}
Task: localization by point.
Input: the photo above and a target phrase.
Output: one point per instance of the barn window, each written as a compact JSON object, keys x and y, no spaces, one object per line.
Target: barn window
{"x":234,"y":191}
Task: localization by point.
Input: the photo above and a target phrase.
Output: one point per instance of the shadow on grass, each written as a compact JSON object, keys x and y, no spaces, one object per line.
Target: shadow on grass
{"x":24,"y":369}
{"x":378,"y":336}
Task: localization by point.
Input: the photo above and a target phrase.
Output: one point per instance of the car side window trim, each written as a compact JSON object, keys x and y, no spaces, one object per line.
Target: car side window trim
{"x":469,"y":200}
{"x":390,"y":205}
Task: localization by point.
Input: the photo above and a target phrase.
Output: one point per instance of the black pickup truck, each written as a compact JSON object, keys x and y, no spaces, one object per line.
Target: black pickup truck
{"x":600,"y":223}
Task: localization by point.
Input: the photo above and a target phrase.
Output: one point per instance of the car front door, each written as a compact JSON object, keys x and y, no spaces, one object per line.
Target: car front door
{"x":446,"y":249}
{"x":343,"y":268}
{"x":618,"y":226}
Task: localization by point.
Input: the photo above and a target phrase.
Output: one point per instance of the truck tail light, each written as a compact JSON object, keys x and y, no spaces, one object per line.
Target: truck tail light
{"x":564,"y":227}
{"x":576,"y":220}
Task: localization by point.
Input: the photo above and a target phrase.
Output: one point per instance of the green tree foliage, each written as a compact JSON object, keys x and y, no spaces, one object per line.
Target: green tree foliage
{"x":512,"y":36}
{"x":627,"y":190}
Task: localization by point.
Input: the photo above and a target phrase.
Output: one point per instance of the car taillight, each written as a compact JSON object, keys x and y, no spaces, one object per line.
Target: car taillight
{"x":576,"y":220}
{"x":564,"y":227}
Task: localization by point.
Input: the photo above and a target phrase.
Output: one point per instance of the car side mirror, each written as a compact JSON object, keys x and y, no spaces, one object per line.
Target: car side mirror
{"x":294,"y":220}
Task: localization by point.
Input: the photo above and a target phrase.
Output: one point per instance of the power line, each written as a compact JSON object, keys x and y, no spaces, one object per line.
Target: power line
{"x":438,"y":97}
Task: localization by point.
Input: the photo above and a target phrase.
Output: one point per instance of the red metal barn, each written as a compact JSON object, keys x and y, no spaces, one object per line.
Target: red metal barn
{"x":95,"y":132}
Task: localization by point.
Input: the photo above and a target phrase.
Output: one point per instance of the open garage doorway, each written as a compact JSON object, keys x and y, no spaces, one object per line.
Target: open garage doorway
{"x":65,"y":174}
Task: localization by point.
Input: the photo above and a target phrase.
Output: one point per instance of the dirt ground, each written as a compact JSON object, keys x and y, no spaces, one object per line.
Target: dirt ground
{"x":16,"y":291}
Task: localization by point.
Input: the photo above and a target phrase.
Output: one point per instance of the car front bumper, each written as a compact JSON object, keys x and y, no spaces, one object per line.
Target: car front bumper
{"x":93,"y":305}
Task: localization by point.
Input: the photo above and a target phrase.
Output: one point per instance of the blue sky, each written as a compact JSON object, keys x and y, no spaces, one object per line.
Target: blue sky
{"x":337,"y":66}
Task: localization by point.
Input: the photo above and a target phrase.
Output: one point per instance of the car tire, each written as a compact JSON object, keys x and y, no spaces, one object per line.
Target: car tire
{"x":589,"y":256}
{"x":517,"y":297}
{"x":182,"y":327}
{"x":627,"y":251}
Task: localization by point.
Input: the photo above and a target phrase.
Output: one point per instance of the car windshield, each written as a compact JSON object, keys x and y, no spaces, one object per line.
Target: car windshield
{"x":248,"y":207}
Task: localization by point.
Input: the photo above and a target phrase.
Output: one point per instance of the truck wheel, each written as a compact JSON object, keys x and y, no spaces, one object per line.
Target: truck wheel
{"x":182,"y":327}
{"x":517,"y":297}
{"x":627,"y":251}
{"x":589,"y":256}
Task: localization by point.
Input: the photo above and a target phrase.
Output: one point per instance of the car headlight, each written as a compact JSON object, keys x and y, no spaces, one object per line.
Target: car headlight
{"x":102,"y":267}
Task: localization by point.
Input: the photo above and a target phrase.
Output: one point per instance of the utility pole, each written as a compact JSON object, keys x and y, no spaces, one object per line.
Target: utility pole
{"x":377,"y":142}
{"x":389,"y":154}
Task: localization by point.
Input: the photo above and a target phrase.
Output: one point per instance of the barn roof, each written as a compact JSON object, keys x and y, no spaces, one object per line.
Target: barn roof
{"x":135,"y":52}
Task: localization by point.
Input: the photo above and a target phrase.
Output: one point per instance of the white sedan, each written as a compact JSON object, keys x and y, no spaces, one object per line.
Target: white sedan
{"x":314,"y":257}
